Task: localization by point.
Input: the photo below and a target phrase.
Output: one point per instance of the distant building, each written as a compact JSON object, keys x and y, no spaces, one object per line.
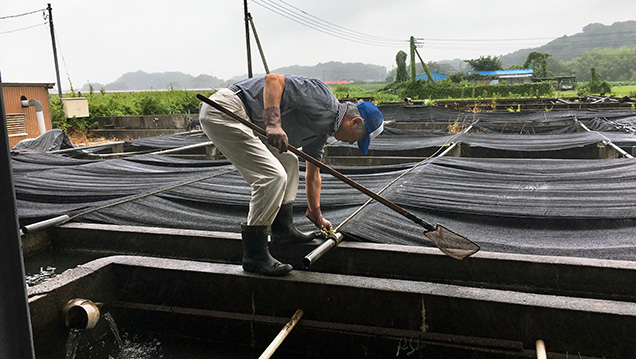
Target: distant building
{"x":435,"y":75}
{"x":511,"y":77}
{"x":342,"y":82}
{"x":22,"y":121}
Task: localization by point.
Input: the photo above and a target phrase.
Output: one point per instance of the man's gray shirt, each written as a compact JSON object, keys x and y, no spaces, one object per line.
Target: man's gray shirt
{"x":309,"y":110}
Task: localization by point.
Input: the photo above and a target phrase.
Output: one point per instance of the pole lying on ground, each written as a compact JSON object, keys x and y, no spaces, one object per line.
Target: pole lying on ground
{"x":449,"y":242}
{"x":269,"y":351}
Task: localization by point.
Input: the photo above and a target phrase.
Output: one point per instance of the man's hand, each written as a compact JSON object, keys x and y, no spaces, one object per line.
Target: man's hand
{"x":315,"y":216}
{"x":275,"y":135}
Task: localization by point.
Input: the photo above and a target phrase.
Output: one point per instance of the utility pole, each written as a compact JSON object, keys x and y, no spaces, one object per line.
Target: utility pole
{"x":260,"y":48}
{"x":428,"y":73}
{"x":16,"y":336}
{"x":57,"y":67}
{"x":247,"y":40}
{"x":412,"y":58}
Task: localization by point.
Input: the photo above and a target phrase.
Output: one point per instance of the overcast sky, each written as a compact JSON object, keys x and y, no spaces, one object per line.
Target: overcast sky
{"x":98,"y":41}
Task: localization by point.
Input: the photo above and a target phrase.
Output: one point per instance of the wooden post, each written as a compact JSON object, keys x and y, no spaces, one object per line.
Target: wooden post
{"x":258,"y":43}
{"x":269,"y":351}
{"x":57,"y":67}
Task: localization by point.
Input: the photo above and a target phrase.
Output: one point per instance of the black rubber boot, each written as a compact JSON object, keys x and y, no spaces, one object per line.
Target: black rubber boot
{"x":256,"y":257}
{"x":284,"y":231}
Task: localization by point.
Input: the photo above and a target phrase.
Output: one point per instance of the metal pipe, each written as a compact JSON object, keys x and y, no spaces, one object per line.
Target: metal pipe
{"x":184,"y":148}
{"x":44,"y":224}
{"x":16,"y":335}
{"x":606,"y":140}
{"x":332,"y":241}
{"x":271,"y":349}
{"x":111,"y":144}
{"x":81,"y":314}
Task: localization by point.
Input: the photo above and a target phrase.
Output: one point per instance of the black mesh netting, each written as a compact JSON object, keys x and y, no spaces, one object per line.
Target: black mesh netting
{"x":169,"y":141}
{"x":527,"y":122}
{"x":558,"y":207}
{"x":573,"y":207}
{"x":54,"y":139}
{"x":412,"y":143}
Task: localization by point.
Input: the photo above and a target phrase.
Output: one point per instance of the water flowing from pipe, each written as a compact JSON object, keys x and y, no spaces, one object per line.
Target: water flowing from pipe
{"x":72,"y":343}
{"x":114,"y":329}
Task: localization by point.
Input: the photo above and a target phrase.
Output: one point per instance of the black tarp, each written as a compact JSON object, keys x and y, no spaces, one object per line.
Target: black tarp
{"x":414,"y":140}
{"x":562,"y":207}
{"x":559,"y":207}
{"x":539,"y":121}
{"x":50,"y":140}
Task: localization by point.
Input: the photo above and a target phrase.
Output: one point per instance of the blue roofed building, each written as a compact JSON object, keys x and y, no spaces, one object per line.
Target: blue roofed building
{"x":511,"y":77}
{"x":435,"y":75}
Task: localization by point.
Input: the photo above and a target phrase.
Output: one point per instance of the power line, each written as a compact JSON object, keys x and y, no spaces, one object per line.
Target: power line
{"x":370,"y":37}
{"x":18,"y":15}
{"x":63,"y":60}
{"x":326,"y":27}
{"x":23,"y":28}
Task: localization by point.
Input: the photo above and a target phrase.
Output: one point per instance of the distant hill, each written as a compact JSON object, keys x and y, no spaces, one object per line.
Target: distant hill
{"x":140,"y":80}
{"x":330,"y":71}
{"x":336,"y":71}
{"x":566,"y":48}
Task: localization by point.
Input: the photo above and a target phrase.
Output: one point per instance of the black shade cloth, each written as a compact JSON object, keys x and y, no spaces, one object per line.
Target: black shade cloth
{"x":406,"y":143}
{"x":557,"y":207}
{"x":50,"y":140}
{"x":169,"y":141}
{"x":568,"y":207}
{"x":555,"y":121}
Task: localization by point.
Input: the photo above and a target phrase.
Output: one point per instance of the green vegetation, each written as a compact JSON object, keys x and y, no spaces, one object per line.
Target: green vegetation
{"x":595,"y":85}
{"x":485,"y":63}
{"x":126,"y":104}
{"x":568,"y":48}
{"x":400,"y":60}
{"x":446,"y":89}
{"x":539,"y":62}
{"x":615,"y":64}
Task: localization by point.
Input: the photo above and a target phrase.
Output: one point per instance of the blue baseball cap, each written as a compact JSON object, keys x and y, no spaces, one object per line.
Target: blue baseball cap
{"x":373,"y":121}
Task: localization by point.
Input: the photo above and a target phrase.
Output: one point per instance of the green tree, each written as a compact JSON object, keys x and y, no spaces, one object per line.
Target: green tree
{"x":616,"y":64}
{"x":539,"y":62}
{"x":596,"y":85}
{"x":485,"y":63}
{"x":400,"y":60}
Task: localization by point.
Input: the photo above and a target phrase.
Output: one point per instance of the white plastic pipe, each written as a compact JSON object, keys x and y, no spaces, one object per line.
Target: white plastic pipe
{"x":541,"y":352}
{"x":38,"y":112}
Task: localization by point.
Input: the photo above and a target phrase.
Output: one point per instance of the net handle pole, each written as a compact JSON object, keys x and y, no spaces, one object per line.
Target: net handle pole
{"x":323,"y":166}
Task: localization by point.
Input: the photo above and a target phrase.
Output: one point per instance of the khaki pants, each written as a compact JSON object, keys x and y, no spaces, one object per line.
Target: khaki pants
{"x":273,"y":176}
